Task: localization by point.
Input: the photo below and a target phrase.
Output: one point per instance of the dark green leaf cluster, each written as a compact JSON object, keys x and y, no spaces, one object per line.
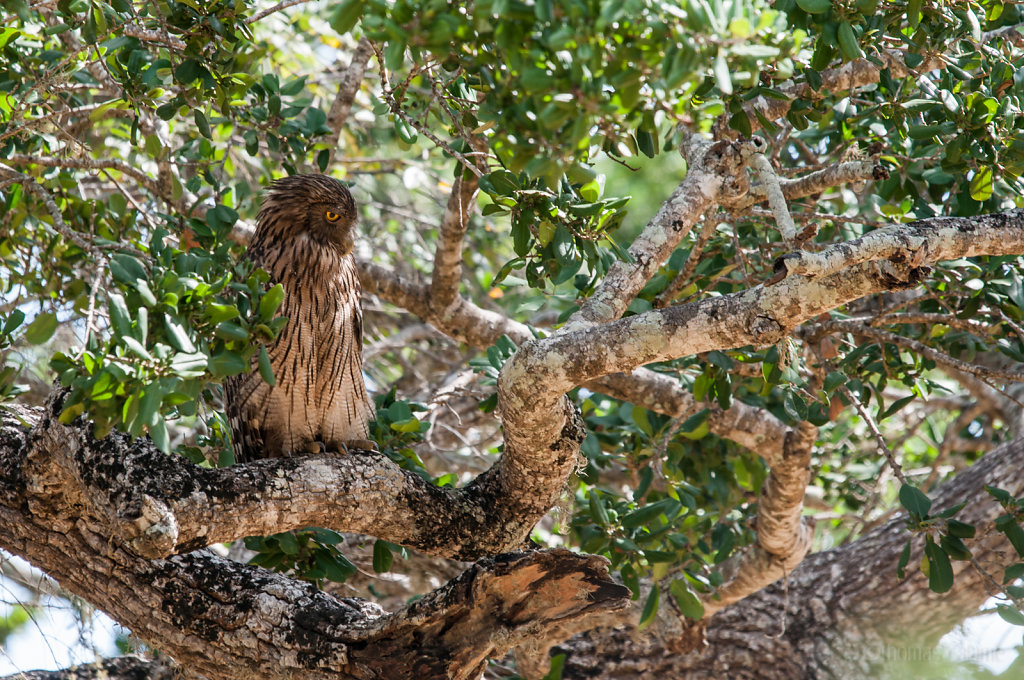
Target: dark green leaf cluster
{"x":689,"y":495}
{"x":179,"y":322}
{"x":554,"y":234}
{"x":396,"y":429}
{"x":310,"y":554}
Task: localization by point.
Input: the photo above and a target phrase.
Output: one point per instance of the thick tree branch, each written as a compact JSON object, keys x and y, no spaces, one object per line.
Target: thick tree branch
{"x":226,"y":620}
{"x":545,"y":369}
{"x":709,"y":167}
{"x":444,"y":286}
{"x":160,"y":505}
{"x":348,"y":86}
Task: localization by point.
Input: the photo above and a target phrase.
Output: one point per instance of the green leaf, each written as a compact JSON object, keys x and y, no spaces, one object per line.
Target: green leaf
{"x":149,"y":407}
{"x":382,"y":557}
{"x":1010,"y":614}
{"x":643,"y":515}
{"x":13,"y":321}
{"x":650,"y":607}
{"x":901,"y":566}
{"x":127,"y":269}
{"x":266,"y":370}
{"x":914,"y":500}
{"x":642,"y":420}
{"x":287,"y":542}
{"x":217,"y":312}
{"x":345,"y":15}
{"x":940,"y":571}
{"x":136,"y":347}
{"x":833,"y":380}
{"x":41,"y":329}
{"x":896,"y":406}
{"x":158,"y":433}
{"x":848,"y":41}
{"x":226,"y":363}
{"x":814,"y":6}
{"x":960,"y":529}
{"x":597,"y":510}
{"x":954,"y":547}
{"x":270,"y":301}
{"x":1009,"y":526}
{"x":556,"y":668}
{"x":1013,"y":572}
{"x":227,"y":330}
{"x":689,"y":604}
{"x":1000,"y":495}
{"x":723,"y":78}
{"x":981,"y":184}
{"x":177,"y":335}
{"x":204,"y":126}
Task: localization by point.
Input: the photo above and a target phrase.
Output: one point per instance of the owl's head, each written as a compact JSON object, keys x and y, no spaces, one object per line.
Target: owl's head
{"x":317,"y":206}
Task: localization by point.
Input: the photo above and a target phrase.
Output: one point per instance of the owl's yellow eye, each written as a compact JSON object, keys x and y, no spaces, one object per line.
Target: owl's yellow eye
{"x":332,"y":216}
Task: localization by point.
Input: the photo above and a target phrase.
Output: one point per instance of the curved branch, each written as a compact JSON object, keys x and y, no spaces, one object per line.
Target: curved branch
{"x":444,"y":286}
{"x":710,"y":166}
{"x":160,"y":505}
{"x":544,"y":369}
{"x":347,"y":87}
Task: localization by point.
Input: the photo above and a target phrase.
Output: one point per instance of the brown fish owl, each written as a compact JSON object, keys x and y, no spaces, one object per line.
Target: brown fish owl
{"x":304,"y":240}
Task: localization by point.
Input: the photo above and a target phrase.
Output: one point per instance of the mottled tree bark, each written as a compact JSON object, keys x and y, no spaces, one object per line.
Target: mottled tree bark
{"x":62,"y":494}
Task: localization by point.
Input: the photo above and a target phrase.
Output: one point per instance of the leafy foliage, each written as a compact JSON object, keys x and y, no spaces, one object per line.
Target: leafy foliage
{"x":151,"y":126}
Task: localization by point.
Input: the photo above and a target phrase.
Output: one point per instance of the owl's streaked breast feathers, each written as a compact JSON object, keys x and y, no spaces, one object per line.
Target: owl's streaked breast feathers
{"x":304,"y":240}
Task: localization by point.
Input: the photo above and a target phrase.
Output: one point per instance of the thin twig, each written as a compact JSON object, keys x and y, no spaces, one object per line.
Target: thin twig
{"x":845,"y":326}
{"x":883,"y":447}
{"x":396,"y":109}
{"x":285,"y":4}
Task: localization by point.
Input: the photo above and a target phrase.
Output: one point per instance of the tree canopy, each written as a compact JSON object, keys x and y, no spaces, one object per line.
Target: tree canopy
{"x":690,"y":288}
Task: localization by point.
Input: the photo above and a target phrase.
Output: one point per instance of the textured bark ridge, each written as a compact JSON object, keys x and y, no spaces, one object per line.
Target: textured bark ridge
{"x":111,"y":501}
{"x":162,"y":505}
